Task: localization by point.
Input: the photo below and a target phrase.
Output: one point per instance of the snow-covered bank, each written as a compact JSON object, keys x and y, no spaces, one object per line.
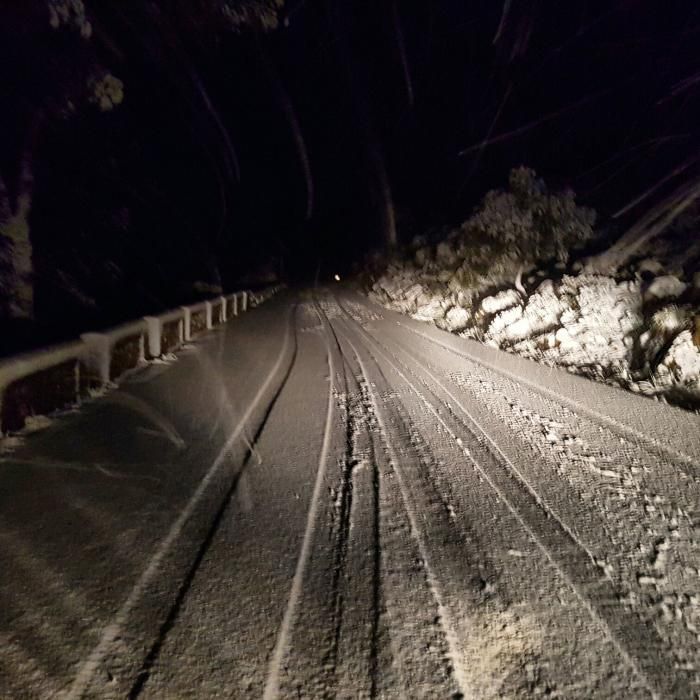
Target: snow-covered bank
{"x":499,"y":279}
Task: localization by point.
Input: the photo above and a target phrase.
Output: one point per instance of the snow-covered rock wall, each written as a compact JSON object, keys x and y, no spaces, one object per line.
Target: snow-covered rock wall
{"x":639,"y":329}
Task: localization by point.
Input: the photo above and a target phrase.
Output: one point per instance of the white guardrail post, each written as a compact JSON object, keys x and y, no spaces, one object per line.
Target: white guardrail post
{"x":154,"y":324}
{"x":186,"y":323}
{"x":97,"y":355}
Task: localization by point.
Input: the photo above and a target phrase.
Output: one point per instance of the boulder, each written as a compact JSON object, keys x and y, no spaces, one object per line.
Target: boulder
{"x":665,"y":287}
{"x":456,"y":319}
{"x":499,"y":302}
{"x":413,"y":293}
{"x":650,"y":265}
{"x":431,"y":311}
{"x":446,"y":254}
{"x":422,"y":255}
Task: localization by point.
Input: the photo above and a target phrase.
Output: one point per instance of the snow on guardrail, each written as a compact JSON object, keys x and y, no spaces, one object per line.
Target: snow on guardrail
{"x":38,"y":382}
{"x":42,"y":381}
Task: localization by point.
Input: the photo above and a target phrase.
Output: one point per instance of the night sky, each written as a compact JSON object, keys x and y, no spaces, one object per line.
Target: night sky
{"x":231,"y":149}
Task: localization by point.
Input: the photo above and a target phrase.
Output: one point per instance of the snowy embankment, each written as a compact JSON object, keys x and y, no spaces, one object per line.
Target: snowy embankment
{"x":638,"y":328}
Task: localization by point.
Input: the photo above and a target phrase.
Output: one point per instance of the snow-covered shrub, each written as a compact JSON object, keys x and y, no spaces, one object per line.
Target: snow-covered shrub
{"x":530,"y":221}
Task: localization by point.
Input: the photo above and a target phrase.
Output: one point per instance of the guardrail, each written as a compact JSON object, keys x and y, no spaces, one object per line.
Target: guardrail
{"x":43,"y":381}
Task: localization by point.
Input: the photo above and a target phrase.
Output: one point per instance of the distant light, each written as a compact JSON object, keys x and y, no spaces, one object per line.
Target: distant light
{"x":336,"y":278}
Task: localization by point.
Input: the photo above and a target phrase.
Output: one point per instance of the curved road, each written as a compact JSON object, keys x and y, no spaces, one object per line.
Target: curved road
{"x":327,"y":500}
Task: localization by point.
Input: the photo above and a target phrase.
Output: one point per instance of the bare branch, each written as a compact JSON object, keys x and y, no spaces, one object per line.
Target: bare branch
{"x":402,"y":52}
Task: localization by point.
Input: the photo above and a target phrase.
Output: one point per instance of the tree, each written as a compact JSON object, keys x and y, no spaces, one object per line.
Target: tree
{"x":49,"y":71}
{"x":51,"y":67}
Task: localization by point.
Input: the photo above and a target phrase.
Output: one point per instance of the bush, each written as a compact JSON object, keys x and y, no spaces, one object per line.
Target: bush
{"x":531,"y":222}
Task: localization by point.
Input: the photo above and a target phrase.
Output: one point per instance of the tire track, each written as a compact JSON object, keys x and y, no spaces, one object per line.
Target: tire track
{"x":356,"y":587}
{"x":111,"y":634}
{"x":449,"y":628}
{"x":607,"y":422}
{"x":642,"y":651}
{"x":273,"y":678}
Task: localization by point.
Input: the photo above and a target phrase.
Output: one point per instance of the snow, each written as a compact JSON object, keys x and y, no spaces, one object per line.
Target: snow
{"x":499,"y":302}
{"x":471,"y":530}
{"x":457,"y":319}
{"x":433,"y":310}
{"x":682,"y":362}
{"x":650,"y":265}
{"x":614,"y":330}
{"x":666,"y":286}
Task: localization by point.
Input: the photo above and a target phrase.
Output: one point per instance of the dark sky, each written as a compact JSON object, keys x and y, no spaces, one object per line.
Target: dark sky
{"x":590,"y":94}
{"x":424,"y":106}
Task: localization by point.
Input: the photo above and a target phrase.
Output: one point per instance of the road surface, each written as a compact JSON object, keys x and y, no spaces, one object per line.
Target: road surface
{"x":324,"y":499}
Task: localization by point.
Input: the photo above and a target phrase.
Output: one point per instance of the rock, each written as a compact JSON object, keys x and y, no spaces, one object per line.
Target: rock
{"x":424,"y":298}
{"x":519,"y":330}
{"x":503,"y":320}
{"x":421,"y":256}
{"x":455,"y":284}
{"x":431,"y":311}
{"x":696,"y":280}
{"x":539,"y":316}
{"x":413,"y":292}
{"x":563,"y":337}
{"x":683,"y":359}
{"x":650,"y":265}
{"x":464,"y":298}
{"x":546,"y":287}
{"x":456,"y":319}
{"x":446,"y":254}
{"x":666,"y":286}
{"x":499,"y":302}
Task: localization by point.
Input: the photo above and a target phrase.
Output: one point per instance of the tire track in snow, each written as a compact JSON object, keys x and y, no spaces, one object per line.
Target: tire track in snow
{"x":607,"y":422}
{"x":354,"y":657}
{"x":111,"y":634}
{"x":357,"y":578}
{"x":622,"y":638}
{"x":448,"y":625}
{"x":272,"y":682}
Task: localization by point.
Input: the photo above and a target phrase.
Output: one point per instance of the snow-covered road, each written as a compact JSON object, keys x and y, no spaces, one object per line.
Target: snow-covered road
{"x":326,"y":499}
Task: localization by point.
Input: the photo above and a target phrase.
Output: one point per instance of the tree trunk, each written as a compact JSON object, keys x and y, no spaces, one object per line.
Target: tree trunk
{"x":285,"y":103}
{"x":17,"y":274}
